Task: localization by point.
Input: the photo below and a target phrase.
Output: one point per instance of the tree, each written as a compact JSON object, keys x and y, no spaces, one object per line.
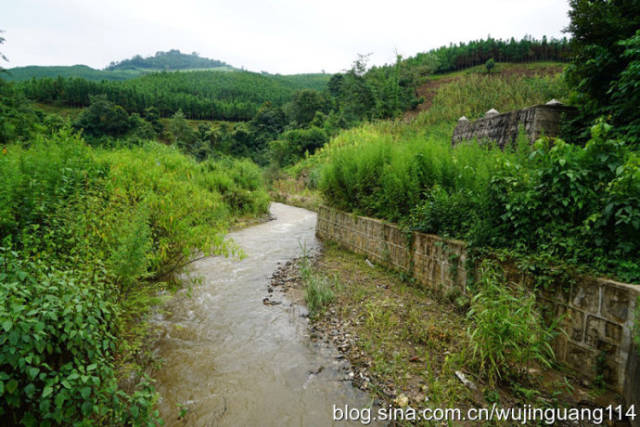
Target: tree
{"x":181,"y":133}
{"x":599,"y":29}
{"x":1,"y":54}
{"x":103,"y":117}
{"x":490,"y":64}
{"x":152,"y":115}
{"x":267,"y":124}
{"x":304,"y":105}
{"x":625,"y":92}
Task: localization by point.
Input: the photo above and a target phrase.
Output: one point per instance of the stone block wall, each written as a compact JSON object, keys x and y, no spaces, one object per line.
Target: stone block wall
{"x":597,"y":315}
{"x":503,"y":128}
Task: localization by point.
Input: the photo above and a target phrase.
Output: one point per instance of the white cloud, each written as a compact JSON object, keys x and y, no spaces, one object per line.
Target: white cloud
{"x":283,"y":36}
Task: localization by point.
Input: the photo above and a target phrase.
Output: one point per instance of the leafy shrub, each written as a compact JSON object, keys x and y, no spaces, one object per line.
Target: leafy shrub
{"x":83,"y":230}
{"x":239,"y":182}
{"x":294,"y":144}
{"x":38,"y":182}
{"x":57,"y":345}
{"x":103,"y":117}
{"x":445,"y":214}
{"x":18,"y":121}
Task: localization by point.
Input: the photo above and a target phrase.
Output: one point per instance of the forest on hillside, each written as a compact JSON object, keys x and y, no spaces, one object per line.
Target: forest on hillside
{"x":170,"y":60}
{"x":204,"y":95}
{"x":477,"y":52}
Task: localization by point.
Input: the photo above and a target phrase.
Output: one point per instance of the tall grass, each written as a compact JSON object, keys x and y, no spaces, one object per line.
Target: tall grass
{"x":317,"y":287}
{"x":472,"y":95}
{"x":469,"y":95}
{"x":389,"y":180}
{"x":508,"y":331}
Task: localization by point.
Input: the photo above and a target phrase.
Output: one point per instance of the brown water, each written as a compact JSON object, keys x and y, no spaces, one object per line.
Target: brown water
{"x":231,"y":360}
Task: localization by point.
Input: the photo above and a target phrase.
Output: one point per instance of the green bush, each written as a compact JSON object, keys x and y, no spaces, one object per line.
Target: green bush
{"x":239,"y":182}
{"x":83,"y":232}
{"x":18,"y":121}
{"x":57,"y":345}
{"x":295,"y":144}
{"x":103,"y":117}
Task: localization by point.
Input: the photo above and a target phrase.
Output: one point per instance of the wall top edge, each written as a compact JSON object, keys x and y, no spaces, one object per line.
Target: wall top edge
{"x":632,"y":287}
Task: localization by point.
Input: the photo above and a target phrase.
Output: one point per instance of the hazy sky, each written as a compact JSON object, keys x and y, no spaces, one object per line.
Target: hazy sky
{"x":281,"y":36}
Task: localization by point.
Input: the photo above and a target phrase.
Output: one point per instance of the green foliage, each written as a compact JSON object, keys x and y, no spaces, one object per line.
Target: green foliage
{"x":296,"y":143}
{"x":82,"y":231}
{"x":267,"y":125}
{"x":380,"y":92}
{"x":490,"y":65}
{"x":170,"y":60}
{"x":240,"y":184}
{"x":508,"y":332}
{"x":18,"y":120}
{"x":210,"y":95}
{"x":180,"y":132}
{"x":317,"y":288}
{"x":575,"y":204}
{"x":473,"y":95}
{"x":604,"y":73}
{"x":103,"y":118}
{"x":305,"y":104}
{"x":625,"y":92}
{"x":478,"y":52}
{"x":444,"y":213}
{"x":18,"y":74}
{"x":57,"y":341}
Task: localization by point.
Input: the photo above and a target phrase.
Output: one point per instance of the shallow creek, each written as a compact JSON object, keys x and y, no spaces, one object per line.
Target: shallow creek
{"x":229,"y":359}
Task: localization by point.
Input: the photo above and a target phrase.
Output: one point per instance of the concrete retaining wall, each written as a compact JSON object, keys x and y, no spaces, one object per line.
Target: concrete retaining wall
{"x":503,"y":128}
{"x":598,"y":314}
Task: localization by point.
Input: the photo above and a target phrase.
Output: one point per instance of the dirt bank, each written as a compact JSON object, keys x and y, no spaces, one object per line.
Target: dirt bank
{"x":408,"y":347}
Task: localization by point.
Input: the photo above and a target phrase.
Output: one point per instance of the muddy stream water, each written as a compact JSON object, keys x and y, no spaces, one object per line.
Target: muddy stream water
{"x":231,"y":360}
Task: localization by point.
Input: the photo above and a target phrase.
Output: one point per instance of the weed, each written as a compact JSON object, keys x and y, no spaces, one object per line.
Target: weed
{"x":508,"y":332}
{"x":318,"y":291}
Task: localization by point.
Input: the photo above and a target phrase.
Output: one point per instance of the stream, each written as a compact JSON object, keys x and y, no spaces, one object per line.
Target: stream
{"x":229,"y":359}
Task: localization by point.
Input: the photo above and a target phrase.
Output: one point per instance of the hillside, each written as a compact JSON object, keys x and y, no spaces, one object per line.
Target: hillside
{"x":173,"y":60}
{"x":170,"y":60}
{"x":73,"y":71}
{"x":429,"y":89}
{"x":208,"y":95}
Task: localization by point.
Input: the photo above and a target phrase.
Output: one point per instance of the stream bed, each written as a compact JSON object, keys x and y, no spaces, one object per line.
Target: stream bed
{"x":229,"y":359}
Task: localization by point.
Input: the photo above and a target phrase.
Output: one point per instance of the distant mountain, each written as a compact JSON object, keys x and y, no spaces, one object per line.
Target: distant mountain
{"x":81,"y":71}
{"x":171,"y":60}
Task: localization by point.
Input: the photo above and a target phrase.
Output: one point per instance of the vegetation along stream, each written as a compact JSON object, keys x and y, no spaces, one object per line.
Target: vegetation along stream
{"x":232,"y":360}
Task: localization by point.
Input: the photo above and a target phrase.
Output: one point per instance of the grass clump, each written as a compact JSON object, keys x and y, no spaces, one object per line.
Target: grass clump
{"x":318,"y":291}
{"x":507,"y":332}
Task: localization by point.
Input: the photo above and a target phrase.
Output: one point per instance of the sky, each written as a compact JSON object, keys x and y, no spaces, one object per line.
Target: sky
{"x":280,"y":36}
